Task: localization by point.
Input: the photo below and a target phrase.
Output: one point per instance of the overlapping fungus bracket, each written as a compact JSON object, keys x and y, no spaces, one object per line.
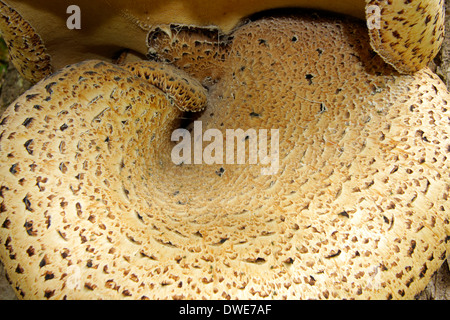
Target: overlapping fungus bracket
{"x":26,"y":48}
{"x":201,"y":50}
{"x":93,"y":207}
{"x":187,"y":93}
{"x":409,"y":34}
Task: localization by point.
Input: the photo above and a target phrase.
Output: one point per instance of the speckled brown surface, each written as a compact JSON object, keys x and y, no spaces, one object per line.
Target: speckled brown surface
{"x":12,"y":85}
{"x":27,"y":51}
{"x":439,"y":279}
{"x":123,"y":221}
{"x":408,"y":50}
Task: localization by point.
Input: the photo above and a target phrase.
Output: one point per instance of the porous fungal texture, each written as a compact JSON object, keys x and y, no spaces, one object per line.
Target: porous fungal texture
{"x":26,"y":48}
{"x":93,"y":207}
{"x":409,"y":33}
{"x":201,"y":51}
{"x":408,"y":37}
{"x":182,"y":90}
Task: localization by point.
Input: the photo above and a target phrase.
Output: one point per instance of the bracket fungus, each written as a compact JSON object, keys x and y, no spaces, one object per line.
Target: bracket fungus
{"x":92,"y":205}
{"x":407,"y":34}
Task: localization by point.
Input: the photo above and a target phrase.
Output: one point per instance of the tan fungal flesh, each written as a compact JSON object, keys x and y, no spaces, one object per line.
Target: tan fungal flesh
{"x":224,"y":14}
{"x":26,"y":49}
{"x":410,"y":33}
{"x":93,"y":207}
{"x":187,"y":93}
{"x":201,"y":51}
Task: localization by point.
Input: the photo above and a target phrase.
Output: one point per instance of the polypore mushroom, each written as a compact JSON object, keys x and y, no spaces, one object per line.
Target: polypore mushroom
{"x":407,"y":37}
{"x":408,"y":34}
{"x":26,"y":49}
{"x":94,"y":207}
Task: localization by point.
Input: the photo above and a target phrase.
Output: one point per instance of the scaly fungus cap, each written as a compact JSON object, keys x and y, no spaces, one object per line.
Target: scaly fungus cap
{"x":92,"y":205}
{"x":409,"y":36}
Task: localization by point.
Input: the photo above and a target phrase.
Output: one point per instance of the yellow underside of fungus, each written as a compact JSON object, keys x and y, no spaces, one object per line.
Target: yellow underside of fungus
{"x":92,"y":205}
